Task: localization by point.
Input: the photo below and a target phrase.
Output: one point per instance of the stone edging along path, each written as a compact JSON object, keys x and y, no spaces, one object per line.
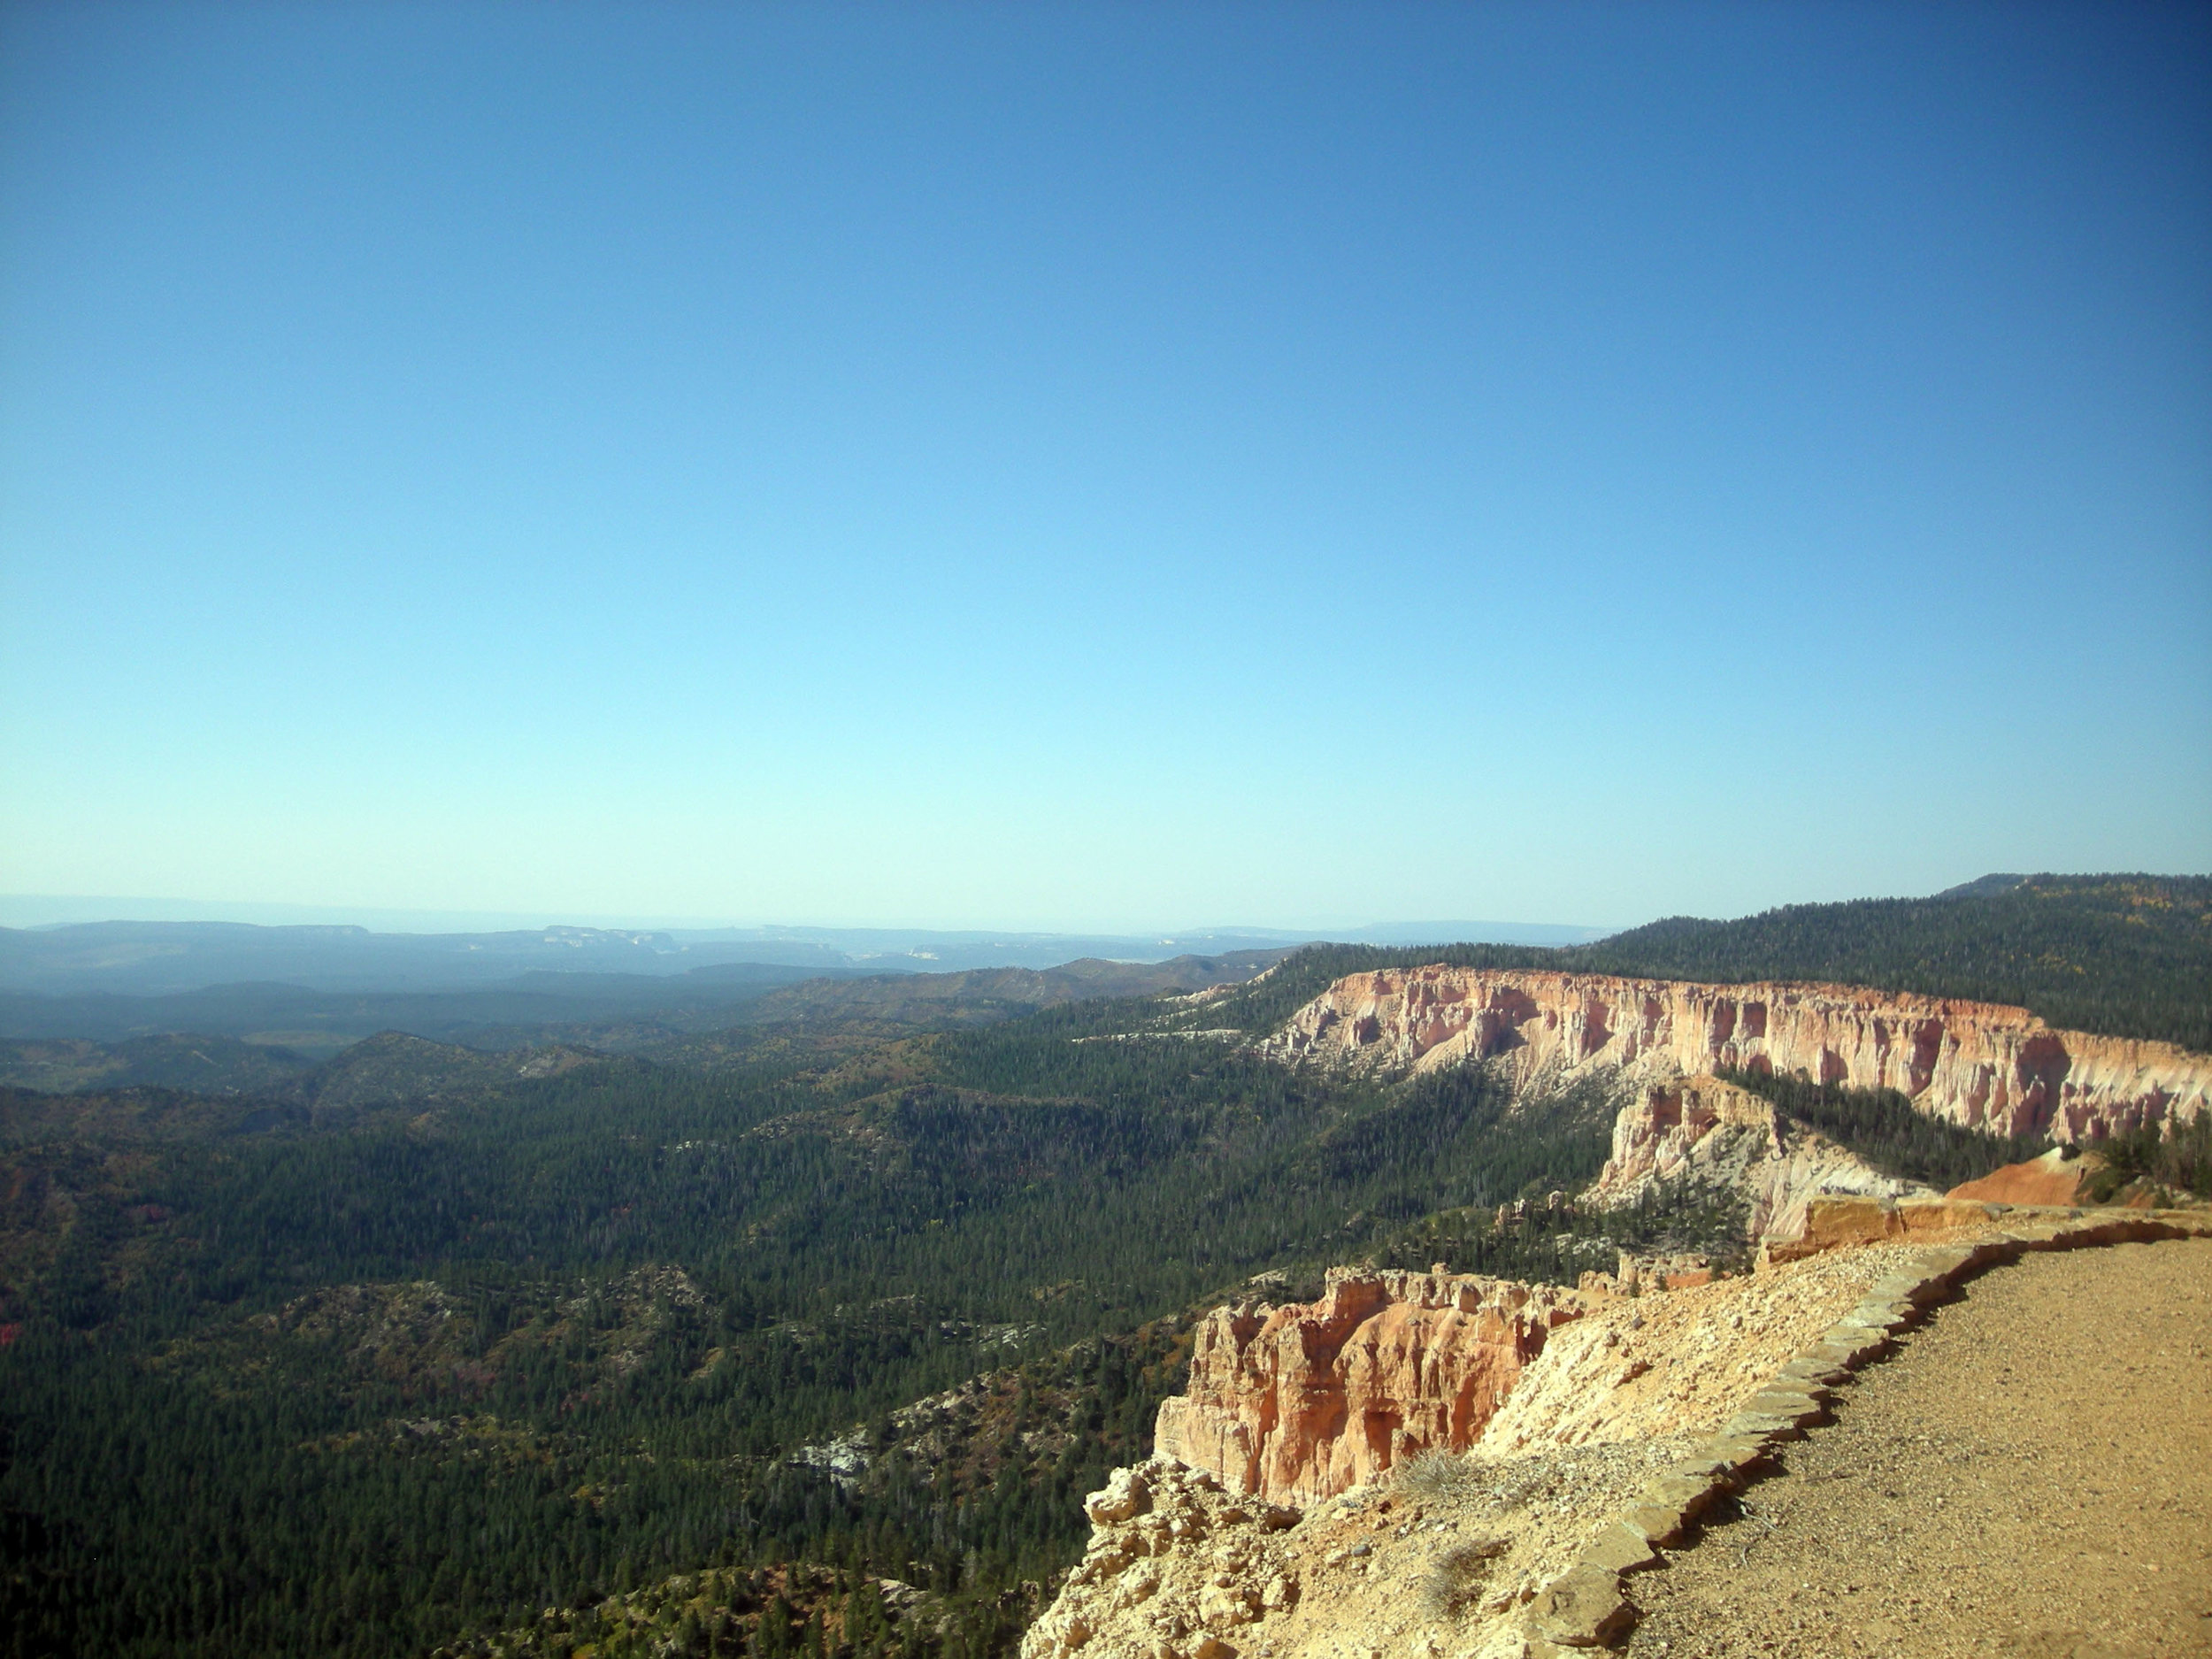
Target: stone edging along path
{"x":1588,"y":1607}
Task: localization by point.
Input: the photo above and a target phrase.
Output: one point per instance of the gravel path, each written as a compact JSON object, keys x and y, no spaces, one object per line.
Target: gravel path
{"x":2031,"y":1477}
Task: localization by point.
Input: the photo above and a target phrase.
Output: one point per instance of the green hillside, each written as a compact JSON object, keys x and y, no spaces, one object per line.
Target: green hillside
{"x":2127,"y":956}
{"x":208,"y":1064}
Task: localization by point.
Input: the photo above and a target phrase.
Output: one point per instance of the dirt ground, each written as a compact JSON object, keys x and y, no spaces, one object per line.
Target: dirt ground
{"x":2031,"y":1477}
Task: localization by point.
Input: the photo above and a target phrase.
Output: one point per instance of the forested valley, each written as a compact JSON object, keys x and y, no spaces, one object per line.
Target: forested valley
{"x":806,"y":1342}
{"x":278,"y":1387}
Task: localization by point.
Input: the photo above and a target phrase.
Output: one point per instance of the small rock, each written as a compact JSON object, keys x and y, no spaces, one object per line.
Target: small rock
{"x":1125,"y":1496}
{"x":1584,"y":1609}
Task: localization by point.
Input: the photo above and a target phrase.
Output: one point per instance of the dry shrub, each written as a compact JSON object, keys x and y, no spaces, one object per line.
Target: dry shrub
{"x":1453,"y":1582}
{"x":1436,"y":1474}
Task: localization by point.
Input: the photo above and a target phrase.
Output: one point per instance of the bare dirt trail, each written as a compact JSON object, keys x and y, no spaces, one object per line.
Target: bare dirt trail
{"x":2030,"y":1478}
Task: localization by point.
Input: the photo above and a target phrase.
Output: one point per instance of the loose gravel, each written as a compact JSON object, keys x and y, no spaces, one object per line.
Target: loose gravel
{"x":2029,"y":1477}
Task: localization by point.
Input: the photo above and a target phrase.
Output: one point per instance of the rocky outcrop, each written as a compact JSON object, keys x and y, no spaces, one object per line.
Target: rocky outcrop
{"x":1179,"y":1569}
{"x":1982,"y":1065}
{"x":1175,"y":1566}
{"x":1702,"y":1132}
{"x":2053,"y":1178}
{"x":1295,"y":1404}
{"x":1453,"y":1554}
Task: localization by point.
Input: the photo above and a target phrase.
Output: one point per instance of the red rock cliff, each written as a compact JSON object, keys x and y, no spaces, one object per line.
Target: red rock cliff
{"x":1980,"y":1064}
{"x":1297,"y":1403}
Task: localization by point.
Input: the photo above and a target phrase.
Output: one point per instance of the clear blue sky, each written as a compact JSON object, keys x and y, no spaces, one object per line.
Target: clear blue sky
{"x":1123,"y":466}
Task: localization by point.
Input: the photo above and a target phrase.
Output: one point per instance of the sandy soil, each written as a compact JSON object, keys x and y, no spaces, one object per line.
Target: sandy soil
{"x":1681,"y":1362}
{"x":2030,"y":1478}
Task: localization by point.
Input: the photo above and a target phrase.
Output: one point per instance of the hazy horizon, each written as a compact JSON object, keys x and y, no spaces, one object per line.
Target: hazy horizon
{"x":42,"y":910}
{"x":1083,"y":468}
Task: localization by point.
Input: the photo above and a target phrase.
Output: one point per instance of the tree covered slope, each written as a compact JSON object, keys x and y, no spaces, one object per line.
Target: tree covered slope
{"x":2126,"y":956}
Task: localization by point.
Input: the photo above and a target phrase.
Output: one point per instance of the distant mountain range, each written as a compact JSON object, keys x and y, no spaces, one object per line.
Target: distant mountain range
{"x":159,"y":959}
{"x":319,"y":1022}
{"x":267,"y":1039}
{"x":2122,"y":954}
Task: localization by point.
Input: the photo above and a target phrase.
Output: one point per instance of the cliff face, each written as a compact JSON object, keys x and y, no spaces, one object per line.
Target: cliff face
{"x":1979,"y":1064}
{"x":1297,"y":1403}
{"x":1704,"y":1131}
